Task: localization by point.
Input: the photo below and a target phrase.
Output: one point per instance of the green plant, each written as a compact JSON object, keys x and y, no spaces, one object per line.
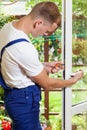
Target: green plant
{"x":79,"y":49}
{"x":57,"y":125}
{"x":5,"y":123}
{"x":48,"y":123}
{"x":1,"y":93}
{"x":45,"y":123}
{"x":5,"y":19}
{"x":79,"y":7}
{"x":85,"y":78}
{"x":79,"y":121}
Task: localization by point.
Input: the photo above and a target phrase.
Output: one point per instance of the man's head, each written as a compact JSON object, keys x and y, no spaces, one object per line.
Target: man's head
{"x":46,"y":18}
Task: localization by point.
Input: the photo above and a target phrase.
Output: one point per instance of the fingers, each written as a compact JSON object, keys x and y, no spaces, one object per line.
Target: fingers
{"x":53,"y":67}
{"x":57,"y":67}
{"x":55,"y":70}
{"x":77,"y":72}
{"x":77,"y":75}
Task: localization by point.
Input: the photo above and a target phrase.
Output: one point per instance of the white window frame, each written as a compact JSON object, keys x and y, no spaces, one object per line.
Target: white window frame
{"x":67,"y":109}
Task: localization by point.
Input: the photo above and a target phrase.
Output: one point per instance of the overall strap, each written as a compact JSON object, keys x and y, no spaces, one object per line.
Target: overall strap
{"x":13,"y":42}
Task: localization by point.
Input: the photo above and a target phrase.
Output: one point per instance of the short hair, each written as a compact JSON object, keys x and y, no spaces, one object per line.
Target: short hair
{"x":48,"y":11}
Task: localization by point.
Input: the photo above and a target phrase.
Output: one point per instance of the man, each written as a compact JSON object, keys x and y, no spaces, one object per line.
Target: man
{"x":22,"y":70}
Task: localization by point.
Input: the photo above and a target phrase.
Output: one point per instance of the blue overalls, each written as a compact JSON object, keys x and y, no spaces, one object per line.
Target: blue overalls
{"x":22,"y":105}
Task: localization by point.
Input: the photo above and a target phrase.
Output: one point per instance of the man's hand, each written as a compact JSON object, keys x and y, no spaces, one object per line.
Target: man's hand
{"x":53,"y":67}
{"x":77,"y":75}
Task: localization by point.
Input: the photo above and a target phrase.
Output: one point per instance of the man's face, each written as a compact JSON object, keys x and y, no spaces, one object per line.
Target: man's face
{"x":42,"y":28}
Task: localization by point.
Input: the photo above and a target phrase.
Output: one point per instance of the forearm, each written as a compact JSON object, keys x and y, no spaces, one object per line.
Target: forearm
{"x":46,"y":82}
{"x":59,"y":83}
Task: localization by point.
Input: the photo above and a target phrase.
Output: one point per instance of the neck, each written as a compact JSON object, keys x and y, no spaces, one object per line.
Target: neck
{"x":24,"y":24}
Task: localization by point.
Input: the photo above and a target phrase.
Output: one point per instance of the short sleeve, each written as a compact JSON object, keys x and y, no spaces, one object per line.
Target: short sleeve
{"x":29,"y":60}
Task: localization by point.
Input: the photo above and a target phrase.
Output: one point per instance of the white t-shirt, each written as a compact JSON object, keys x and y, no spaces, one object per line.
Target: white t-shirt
{"x":19,"y":61}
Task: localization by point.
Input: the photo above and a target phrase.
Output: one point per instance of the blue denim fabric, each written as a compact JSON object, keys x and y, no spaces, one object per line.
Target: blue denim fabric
{"x":22,"y":106}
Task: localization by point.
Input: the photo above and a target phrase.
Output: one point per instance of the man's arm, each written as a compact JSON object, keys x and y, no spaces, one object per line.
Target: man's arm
{"x":48,"y":83}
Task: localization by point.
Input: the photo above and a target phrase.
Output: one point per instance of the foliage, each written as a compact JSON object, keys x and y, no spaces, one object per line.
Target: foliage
{"x":31,"y":3}
{"x":85,"y":78}
{"x":79,"y":49}
{"x":79,"y":121}
{"x":80,"y":7}
{"x":5,"y":19}
{"x":1,"y":93}
{"x":5,"y":121}
{"x":79,"y":28}
{"x":58,"y":123}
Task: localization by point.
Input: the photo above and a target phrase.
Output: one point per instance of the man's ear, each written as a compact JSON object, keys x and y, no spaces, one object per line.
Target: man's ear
{"x":55,"y":25}
{"x":37,"y":23}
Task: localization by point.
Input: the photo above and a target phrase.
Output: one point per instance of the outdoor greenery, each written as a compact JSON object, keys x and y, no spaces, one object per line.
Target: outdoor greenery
{"x":5,"y":18}
{"x":79,"y":6}
{"x":55,"y":102}
{"x":79,"y":50}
